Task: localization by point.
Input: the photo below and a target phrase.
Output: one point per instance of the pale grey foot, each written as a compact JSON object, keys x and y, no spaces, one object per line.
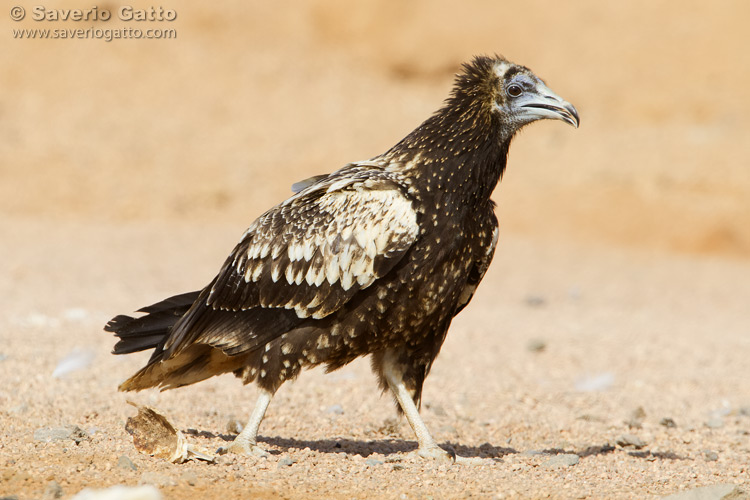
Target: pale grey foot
{"x":246,"y":441}
{"x":428,"y":448}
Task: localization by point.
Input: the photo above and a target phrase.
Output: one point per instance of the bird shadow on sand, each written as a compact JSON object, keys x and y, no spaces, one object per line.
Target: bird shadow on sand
{"x":391,"y":446}
{"x":386,"y":446}
{"x":383,"y":447}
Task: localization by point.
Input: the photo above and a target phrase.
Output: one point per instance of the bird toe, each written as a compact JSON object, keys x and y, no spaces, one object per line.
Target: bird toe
{"x":438,"y":454}
{"x":244,"y":448}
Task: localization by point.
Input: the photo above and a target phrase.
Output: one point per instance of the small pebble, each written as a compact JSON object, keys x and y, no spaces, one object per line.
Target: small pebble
{"x":561,"y":461}
{"x":587,"y":417}
{"x":398,"y":467}
{"x":668,"y":423}
{"x":372,"y":462}
{"x":636,"y":418}
{"x":594,"y":383}
{"x":77,"y":359}
{"x":536,"y":345}
{"x":285,"y":462}
{"x":713,"y":492}
{"x":535,"y":301}
{"x":638,"y":414}
{"x":124,"y":462}
{"x":79,"y":435}
{"x":531,"y":453}
{"x":627,"y":440}
{"x":710,"y":455}
{"x":48,"y":434}
{"x":335,"y":409}
{"x":634,"y":424}
{"x":715,"y":423}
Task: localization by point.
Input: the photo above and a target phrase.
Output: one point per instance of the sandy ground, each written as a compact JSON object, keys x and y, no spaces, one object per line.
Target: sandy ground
{"x":618,"y":297}
{"x":621,"y":330}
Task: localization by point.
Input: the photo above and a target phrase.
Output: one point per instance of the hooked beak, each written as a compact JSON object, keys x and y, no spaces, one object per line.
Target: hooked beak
{"x":546,"y":104}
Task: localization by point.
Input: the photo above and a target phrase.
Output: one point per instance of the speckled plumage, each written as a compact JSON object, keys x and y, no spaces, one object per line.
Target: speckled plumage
{"x":374,"y":259}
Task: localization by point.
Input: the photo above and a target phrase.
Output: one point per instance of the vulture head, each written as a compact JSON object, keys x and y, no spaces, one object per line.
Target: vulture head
{"x":492,"y":96}
{"x":522,"y":97}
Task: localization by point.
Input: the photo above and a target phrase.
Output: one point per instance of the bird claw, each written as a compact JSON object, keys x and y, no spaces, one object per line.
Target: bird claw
{"x":449,"y":456}
{"x":241,"y":448}
{"x":438,"y":454}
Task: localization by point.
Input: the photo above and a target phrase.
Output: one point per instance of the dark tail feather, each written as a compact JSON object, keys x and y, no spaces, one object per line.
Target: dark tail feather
{"x":149,"y":331}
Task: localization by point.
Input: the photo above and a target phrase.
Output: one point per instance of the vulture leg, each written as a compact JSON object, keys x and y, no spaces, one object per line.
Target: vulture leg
{"x":394,"y":376}
{"x":246,"y":441}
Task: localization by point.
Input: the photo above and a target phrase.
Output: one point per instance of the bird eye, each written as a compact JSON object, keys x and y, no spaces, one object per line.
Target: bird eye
{"x":514,"y":90}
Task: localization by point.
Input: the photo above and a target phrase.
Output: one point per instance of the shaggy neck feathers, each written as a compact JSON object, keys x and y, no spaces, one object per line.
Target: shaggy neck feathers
{"x":460,"y":151}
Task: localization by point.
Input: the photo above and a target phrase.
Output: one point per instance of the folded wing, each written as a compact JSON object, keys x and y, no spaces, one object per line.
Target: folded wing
{"x":303,"y":259}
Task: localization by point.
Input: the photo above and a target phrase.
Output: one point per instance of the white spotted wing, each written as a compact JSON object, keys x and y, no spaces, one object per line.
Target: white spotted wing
{"x":313,"y":252}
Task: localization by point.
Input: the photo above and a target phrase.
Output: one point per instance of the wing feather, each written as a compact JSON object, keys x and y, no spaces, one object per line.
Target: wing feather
{"x":310,"y":254}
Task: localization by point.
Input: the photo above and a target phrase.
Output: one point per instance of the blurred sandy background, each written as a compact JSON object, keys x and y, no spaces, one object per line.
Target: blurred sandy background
{"x":128,"y":169}
{"x":252,"y":96}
